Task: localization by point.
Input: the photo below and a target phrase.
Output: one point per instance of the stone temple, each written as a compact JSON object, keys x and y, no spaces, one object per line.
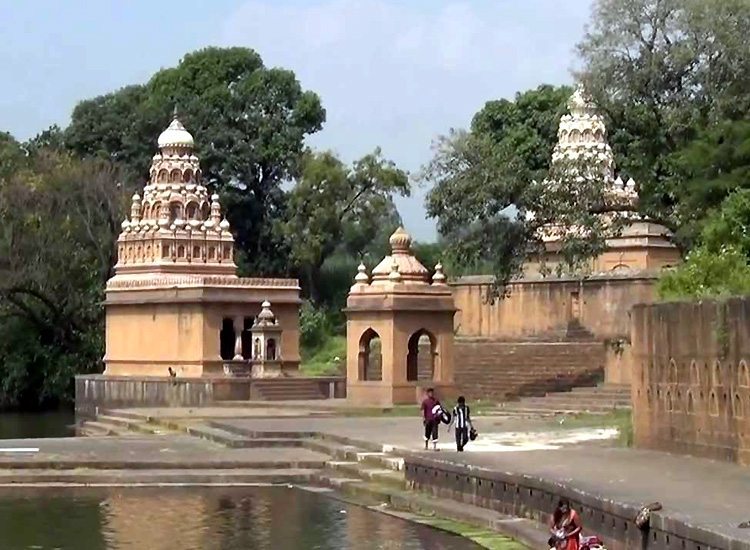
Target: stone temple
{"x":175,"y":306}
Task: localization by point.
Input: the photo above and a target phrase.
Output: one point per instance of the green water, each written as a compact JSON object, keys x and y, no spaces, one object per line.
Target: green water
{"x":34,"y":425}
{"x":269,"y":518}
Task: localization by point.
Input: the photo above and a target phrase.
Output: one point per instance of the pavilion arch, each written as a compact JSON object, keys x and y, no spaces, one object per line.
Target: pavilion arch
{"x":187,"y":177}
{"x":163,"y":176}
{"x":370,"y":358}
{"x":175,"y":211}
{"x":421,"y":356}
{"x":191,"y":211}
{"x":175,"y":176}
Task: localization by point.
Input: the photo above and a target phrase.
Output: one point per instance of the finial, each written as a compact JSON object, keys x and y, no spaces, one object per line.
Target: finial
{"x":439,"y":277}
{"x":394,"y":275}
{"x":400,"y":241}
{"x":361,"y":278}
{"x":224,"y":225}
{"x":174,"y":111}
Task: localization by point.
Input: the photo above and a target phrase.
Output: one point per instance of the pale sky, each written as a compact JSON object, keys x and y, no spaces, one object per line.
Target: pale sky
{"x":393,"y":73}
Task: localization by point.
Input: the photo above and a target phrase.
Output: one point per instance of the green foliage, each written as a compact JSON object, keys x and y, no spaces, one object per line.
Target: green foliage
{"x":328,"y":359}
{"x":61,"y":217}
{"x":332,"y":207}
{"x":250,"y":123}
{"x":322,"y":347}
{"x":707,"y":274}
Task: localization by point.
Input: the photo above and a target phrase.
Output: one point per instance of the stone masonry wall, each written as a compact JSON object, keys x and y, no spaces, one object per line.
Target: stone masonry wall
{"x":691,"y":380}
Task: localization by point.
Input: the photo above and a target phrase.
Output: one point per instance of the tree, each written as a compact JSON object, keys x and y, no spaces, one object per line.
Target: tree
{"x":662,"y":71}
{"x":250,"y":123}
{"x":332,"y":207}
{"x":61,"y":217}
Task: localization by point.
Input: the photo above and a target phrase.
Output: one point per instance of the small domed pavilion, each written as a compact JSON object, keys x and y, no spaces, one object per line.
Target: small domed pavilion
{"x":399,"y":330}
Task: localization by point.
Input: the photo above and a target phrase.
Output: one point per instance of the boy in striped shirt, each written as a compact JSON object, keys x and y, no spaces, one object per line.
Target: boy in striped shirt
{"x":462,"y":418}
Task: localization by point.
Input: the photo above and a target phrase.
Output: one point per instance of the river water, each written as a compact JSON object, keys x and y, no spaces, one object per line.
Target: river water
{"x":256,"y":518}
{"x":47,"y":424}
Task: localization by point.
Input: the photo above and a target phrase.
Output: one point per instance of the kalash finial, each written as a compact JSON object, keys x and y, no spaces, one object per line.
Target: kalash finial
{"x":439,"y":277}
{"x":362,"y":278}
{"x":394,"y":276}
{"x":400,"y":241}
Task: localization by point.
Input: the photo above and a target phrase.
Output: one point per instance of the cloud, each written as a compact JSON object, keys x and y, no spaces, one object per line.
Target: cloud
{"x":397,"y":74}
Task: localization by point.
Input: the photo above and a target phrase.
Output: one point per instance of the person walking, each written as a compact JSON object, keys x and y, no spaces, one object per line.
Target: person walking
{"x":462,"y":418}
{"x":431,"y":414}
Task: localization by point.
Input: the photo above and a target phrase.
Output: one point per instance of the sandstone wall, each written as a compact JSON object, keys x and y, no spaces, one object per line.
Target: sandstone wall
{"x":691,"y":385}
{"x":552,"y":309}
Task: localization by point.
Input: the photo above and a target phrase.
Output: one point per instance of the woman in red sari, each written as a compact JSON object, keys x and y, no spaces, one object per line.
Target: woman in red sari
{"x":565,"y":527}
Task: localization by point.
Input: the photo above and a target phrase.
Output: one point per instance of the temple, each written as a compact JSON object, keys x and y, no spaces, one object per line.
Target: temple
{"x":175,"y":305}
{"x":582,"y":141}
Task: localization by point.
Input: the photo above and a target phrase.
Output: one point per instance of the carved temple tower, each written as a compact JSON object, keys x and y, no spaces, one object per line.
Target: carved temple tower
{"x":175,"y":304}
{"x":582,"y":141}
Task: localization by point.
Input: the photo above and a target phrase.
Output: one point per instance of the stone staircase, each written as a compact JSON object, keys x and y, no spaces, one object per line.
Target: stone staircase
{"x":285,"y":389}
{"x":502,"y":371}
{"x":601,"y":399}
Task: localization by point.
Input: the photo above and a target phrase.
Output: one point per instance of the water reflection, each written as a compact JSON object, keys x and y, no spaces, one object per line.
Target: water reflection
{"x":205,"y":519}
{"x":35,"y":425}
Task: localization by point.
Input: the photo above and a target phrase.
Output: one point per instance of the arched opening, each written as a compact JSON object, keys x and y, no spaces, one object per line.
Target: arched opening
{"x":670,"y":405}
{"x":737,"y":406}
{"x":744,"y":375}
{"x":192,"y":211}
{"x":690,"y":403}
{"x":695,"y":378}
{"x":181,"y":251}
{"x":175,"y":211}
{"x":247,"y":338}
{"x":420,"y":359}
{"x":226,"y":253}
{"x":672,"y":373}
{"x":271,"y":349}
{"x":370,"y":360}
{"x":717,"y":374}
{"x":257,"y":349}
{"x":205,"y":211}
{"x":713,"y":404}
{"x":163,"y":176}
{"x":174,"y":177}
{"x":196,"y":252}
{"x":187,"y":177}
{"x":226,"y":339}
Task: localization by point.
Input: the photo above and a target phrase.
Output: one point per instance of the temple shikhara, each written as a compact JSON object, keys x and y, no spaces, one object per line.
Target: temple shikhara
{"x":175,"y":306}
{"x":582,"y":144}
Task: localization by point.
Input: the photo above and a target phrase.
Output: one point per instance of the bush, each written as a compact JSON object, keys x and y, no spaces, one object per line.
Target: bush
{"x":707,"y":274}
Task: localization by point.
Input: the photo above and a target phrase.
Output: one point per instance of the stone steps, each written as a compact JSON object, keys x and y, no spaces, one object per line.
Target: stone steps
{"x":282,"y":389}
{"x":600,"y":399}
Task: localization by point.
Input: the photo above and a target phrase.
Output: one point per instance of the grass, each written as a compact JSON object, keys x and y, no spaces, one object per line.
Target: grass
{"x":328,"y":359}
{"x":620,"y":419}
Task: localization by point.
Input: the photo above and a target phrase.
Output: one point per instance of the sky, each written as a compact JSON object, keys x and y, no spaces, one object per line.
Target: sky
{"x":391,"y":73}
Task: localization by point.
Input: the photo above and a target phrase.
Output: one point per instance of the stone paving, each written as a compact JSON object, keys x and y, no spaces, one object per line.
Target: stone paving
{"x":703,"y":492}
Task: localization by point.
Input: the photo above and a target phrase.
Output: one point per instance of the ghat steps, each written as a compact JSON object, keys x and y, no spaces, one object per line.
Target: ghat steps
{"x":601,"y":399}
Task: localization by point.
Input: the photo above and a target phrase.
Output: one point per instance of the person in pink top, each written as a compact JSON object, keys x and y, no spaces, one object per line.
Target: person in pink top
{"x":431,"y":410}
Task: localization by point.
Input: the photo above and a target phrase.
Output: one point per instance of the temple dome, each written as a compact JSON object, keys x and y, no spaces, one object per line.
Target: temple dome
{"x":175,"y":136}
{"x":401,"y":261}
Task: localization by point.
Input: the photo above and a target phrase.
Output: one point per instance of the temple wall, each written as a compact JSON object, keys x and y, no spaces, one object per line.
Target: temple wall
{"x":691,"y":385}
{"x":550,"y":309}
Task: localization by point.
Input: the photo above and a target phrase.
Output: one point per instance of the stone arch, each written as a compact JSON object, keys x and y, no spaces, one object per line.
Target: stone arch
{"x":271,"y":349}
{"x":196,"y":252}
{"x":737,"y":409}
{"x":191,"y":211}
{"x":672,"y":372}
{"x":420,"y":363}
{"x":695,"y":377}
{"x":575,"y":136}
{"x":247,"y":337}
{"x":181,"y":251}
{"x":668,"y":401}
{"x":743,"y":375}
{"x":370,"y":359}
{"x":187,"y":177}
{"x":163,"y":176}
{"x":211,"y":252}
{"x":690,"y":403}
{"x":227,"y":338}
{"x":175,"y":176}
{"x":175,"y":211}
{"x":205,"y":211}
{"x":713,"y":404}
{"x":716,"y":371}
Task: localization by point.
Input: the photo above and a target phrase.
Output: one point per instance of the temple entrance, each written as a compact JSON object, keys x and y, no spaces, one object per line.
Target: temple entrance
{"x":370,"y":357}
{"x":227,"y":339}
{"x":420,"y":360}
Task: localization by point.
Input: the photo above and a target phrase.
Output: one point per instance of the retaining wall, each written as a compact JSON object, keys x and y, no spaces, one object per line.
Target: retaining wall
{"x":527,"y":496}
{"x":691,"y":379}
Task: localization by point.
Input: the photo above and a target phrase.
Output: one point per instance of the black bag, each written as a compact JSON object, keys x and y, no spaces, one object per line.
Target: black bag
{"x":445,"y":416}
{"x":473,"y":434}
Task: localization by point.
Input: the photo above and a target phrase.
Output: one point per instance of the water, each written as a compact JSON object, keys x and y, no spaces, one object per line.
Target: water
{"x":35,"y":425}
{"x":257,"y":518}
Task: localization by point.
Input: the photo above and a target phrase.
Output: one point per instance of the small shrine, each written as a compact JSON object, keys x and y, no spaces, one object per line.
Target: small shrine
{"x":399,"y":330}
{"x":266,"y":334}
{"x":175,"y":306}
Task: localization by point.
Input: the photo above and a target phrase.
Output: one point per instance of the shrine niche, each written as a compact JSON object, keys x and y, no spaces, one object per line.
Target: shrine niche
{"x":399,"y":330}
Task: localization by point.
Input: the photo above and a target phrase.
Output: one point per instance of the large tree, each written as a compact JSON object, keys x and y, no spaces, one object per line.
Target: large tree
{"x":668,"y":72}
{"x":333,"y":208}
{"x":249,"y":121}
{"x":61,"y":217}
